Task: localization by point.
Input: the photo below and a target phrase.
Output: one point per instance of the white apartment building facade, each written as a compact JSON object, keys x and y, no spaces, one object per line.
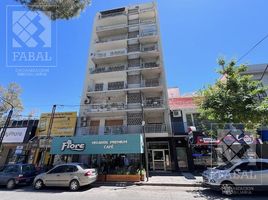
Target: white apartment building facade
{"x":125,"y":88}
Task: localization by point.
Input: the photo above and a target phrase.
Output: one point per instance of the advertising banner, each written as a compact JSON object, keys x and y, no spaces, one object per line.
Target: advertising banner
{"x":14,"y":135}
{"x":98,"y":144}
{"x":63,"y":124}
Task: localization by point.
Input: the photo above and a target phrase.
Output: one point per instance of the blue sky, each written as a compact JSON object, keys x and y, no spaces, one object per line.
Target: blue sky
{"x":194,"y":34}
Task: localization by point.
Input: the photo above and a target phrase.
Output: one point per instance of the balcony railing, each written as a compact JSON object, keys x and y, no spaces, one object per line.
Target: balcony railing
{"x":105,"y":54}
{"x":112,"y":14}
{"x":150,"y":83}
{"x":119,"y":85}
{"x":123,"y":129}
{"x":110,"y":27}
{"x":107,"y":107}
{"x":110,"y":39}
{"x":115,"y":130}
{"x":149,"y":48}
{"x":148,"y":33}
{"x":153,"y":103}
{"x":91,"y":130}
{"x":147,"y":9}
{"x":149,"y":65}
{"x":155,"y":128}
{"x":108,"y":69}
{"x":148,"y":21}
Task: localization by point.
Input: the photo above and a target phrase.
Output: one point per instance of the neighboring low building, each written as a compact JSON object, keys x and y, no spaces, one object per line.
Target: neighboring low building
{"x":183,"y":112}
{"x":184,"y":115}
{"x":63,"y":125}
{"x":259,"y":72}
{"x":14,"y":147}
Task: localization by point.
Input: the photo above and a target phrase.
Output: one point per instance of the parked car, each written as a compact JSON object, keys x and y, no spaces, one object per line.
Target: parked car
{"x":16,"y":174}
{"x":72,"y":175}
{"x":240,"y":176}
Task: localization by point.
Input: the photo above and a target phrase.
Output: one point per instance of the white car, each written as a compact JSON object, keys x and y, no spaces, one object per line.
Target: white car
{"x":72,"y":175}
{"x":238,"y":177}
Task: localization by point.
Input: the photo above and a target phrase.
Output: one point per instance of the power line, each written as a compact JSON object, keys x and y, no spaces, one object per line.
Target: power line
{"x":252,"y":48}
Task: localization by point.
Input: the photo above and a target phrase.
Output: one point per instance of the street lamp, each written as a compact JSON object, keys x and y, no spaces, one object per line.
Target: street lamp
{"x":2,"y":135}
{"x":145,"y":144}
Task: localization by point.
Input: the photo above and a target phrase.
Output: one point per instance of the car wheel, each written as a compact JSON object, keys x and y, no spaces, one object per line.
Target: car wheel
{"x":11,"y":184}
{"x":227,"y":188}
{"x":38,"y":184}
{"x":74,"y":185}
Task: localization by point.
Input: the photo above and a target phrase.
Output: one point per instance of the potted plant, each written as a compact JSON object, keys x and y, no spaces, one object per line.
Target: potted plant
{"x":142,"y":173}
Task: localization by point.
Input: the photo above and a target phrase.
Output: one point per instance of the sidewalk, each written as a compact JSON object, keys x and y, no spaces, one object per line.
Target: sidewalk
{"x":169,"y":179}
{"x":181,"y":180}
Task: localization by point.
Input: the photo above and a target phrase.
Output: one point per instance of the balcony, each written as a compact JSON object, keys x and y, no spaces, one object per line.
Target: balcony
{"x":111,"y":27}
{"x":121,"y":85}
{"x":155,"y":128}
{"x":92,"y":130}
{"x":150,"y":83}
{"x":124,"y":129}
{"x":147,"y":9}
{"x":116,"y":85}
{"x":111,"y":39}
{"x":150,"y":65}
{"x":111,"y":130}
{"x":149,"y":33}
{"x":115,"y":106}
{"x":112,"y":55}
{"x":153,"y":103}
{"x":148,"y":21}
{"x":149,"y":48}
{"x":106,"y":69}
{"x":112,"y":13}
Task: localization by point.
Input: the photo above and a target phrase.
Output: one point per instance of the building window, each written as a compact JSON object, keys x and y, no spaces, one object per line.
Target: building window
{"x":192,"y":119}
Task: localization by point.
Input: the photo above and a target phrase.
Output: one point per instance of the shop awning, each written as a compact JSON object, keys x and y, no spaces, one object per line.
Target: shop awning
{"x":98,"y":144}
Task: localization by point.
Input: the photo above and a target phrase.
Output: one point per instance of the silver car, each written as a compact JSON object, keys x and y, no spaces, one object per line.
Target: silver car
{"x":72,"y":175}
{"x":238,"y":177}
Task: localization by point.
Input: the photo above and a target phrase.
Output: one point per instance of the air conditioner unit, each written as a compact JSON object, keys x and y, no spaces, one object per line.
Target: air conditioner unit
{"x":176,"y":113}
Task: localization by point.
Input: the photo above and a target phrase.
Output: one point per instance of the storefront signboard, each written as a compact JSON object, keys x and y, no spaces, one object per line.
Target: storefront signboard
{"x":63,"y":124}
{"x":98,"y":144}
{"x":14,"y":135}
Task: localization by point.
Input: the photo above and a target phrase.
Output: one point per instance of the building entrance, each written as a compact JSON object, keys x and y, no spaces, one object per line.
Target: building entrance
{"x":159,"y":156}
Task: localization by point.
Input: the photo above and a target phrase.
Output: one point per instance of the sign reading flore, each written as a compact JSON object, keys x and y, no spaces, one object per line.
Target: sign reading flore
{"x":98,"y":144}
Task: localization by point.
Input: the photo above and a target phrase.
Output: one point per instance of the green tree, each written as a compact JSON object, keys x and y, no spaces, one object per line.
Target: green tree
{"x":57,"y":9}
{"x":234,"y":98}
{"x":11,"y":94}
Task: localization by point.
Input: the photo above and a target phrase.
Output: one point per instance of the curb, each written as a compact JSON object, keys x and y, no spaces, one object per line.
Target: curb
{"x":124,"y":184}
{"x":170,"y":184}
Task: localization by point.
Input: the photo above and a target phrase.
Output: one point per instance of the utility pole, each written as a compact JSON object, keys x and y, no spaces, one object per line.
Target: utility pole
{"x":2,"y":135}
{"x":48,"y":133}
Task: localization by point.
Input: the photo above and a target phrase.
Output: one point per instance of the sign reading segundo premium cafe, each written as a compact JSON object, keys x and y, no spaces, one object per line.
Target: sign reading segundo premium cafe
{"x":98,"y":144}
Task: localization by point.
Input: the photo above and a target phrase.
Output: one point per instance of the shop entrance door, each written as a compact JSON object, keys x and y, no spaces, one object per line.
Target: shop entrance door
{"x":159,"y":160}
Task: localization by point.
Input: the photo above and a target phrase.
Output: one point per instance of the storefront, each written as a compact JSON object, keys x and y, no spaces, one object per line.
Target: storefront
{"x":14,"y":148}
{"x":109,"y":153}
{"x":226,"y":146}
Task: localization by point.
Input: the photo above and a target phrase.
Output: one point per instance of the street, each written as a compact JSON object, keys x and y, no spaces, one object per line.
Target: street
{"x":124,"y":193}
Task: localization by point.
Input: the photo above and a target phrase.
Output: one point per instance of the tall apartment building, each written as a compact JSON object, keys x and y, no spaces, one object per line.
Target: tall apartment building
{"x":125,"y":86}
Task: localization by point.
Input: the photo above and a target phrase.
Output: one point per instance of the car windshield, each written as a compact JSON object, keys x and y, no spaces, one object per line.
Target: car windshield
{"x":10,"y":168}
{"x":225,"y":166}
{"x":84,"y":166}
